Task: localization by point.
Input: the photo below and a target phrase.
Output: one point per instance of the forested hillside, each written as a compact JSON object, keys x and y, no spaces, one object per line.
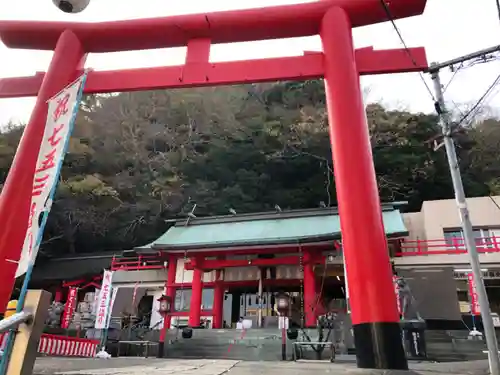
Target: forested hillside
{"x":138,"y":159}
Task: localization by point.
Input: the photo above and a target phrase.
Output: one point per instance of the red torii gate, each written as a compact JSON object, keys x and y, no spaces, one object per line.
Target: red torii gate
{"x":374,"y":312}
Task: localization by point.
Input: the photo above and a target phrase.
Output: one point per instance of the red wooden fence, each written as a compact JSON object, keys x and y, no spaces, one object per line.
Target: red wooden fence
{"x":62,"y":346}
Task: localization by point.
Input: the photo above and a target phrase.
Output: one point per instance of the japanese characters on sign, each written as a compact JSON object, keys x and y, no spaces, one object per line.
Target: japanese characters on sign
{"x":103,"y":306}
{"x":474,"y":302}
{"x":70,"y":307}
{"x":61,"y":112}
{"x":396,"y":290}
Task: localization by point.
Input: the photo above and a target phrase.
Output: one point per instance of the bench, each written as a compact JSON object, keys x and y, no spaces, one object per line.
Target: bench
{"x":145,"y":344}
{"x":308,"y":343}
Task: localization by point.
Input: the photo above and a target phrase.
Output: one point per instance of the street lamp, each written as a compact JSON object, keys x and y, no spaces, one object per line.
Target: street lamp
{"x":283,"y":306}
{"x":165,"y":305}
{"x":164,"y":309}
{"x":283,"y":303}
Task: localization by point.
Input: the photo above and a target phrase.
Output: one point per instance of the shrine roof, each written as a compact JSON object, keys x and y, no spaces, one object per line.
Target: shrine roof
{"x":267,"y":228}
{"x":72,"y":267}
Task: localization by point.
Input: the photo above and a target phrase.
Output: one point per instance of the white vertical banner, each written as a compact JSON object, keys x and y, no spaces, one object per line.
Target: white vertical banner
{"x":111,"y":303}
{"x":346,"y":283}
{"x":104,"y":300}
{"x":60,"y":120}
{"x":395,"y":279}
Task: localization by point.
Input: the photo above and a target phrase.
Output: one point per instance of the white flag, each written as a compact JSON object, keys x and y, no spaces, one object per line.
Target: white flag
{"x":114,"y":292}
{"x":60,"y":118}
{"x":103,"y":307}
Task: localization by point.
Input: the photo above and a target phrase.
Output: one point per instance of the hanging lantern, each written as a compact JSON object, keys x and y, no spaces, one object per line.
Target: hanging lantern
{"x":165,"y":305}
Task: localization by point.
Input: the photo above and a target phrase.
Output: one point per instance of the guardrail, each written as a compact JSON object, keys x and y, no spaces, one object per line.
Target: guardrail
{"x":446,"y":246}
{"x":140,"y":262}
{"x":62,"y":346}
{"x":15,"y":320}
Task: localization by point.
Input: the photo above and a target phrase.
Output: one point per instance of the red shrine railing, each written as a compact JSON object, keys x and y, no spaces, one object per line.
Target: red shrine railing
{"x":139,"y":262}
{"x":447,"y":246}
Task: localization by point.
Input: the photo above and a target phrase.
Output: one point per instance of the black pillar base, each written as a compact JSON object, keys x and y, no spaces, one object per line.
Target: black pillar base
{"x":379,"y":346}
{"x":161,"y":349}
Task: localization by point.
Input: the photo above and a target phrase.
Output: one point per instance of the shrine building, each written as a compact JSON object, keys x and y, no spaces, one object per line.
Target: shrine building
{"x":215,"y":268}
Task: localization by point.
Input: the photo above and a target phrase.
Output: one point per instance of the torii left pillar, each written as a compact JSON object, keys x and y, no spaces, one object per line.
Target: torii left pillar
{"x":67,"y":62}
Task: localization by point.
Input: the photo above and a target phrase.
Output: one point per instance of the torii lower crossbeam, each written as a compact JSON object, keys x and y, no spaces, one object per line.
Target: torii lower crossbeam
{"x":309,"y":66}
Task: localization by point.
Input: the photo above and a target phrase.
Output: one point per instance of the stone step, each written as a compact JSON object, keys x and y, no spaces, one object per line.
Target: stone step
{"x":265,"y":345}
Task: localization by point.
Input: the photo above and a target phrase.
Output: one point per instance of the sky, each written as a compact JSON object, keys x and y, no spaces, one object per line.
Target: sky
{"x":448,"y":29}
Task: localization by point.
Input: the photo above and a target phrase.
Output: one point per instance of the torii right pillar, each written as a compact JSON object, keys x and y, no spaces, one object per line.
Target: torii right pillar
{"x":377,"y":333}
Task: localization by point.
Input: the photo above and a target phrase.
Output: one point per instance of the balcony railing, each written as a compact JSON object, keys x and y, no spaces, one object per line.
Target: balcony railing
{"x":447,"y":246}
{"x":139,"y":262}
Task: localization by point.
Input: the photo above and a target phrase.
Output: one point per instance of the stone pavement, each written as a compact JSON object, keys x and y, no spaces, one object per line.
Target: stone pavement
{"x":153,"y":366}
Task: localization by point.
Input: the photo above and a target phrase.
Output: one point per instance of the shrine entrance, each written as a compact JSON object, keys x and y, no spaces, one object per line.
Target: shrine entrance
{"x":376,"y":326}
{"x":243,"y":302}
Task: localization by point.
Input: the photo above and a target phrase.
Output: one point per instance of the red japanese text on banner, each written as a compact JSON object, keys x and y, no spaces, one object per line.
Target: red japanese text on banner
{"x":474,"y":301}
{"x":70,"y":307}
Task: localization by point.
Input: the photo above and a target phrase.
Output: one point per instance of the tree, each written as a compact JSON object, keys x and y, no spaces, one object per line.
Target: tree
{"x":137,"y":159}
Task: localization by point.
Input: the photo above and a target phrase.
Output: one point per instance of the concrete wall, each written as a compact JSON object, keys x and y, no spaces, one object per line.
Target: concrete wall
{"x":434,"y":293}
{"x":437,"y":216}
{"x":153,"y":277}
{"x":185,"y":276}
{"x":414,"y":222}
{"x":142,"y":276}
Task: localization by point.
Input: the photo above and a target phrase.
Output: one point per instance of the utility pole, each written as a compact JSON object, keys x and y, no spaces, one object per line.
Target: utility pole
{"x":498,"y":8}
{"x":444,"y":121}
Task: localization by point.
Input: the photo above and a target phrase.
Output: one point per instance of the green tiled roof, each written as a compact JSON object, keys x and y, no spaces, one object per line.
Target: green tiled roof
{"x":273,"y":229}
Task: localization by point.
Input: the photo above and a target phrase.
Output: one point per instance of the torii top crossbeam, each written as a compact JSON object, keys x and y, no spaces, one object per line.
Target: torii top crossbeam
{"x":198,"y":32}
{"x":220,"y":27}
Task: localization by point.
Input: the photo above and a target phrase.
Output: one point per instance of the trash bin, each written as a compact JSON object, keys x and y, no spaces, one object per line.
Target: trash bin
{"x":414,"y":339}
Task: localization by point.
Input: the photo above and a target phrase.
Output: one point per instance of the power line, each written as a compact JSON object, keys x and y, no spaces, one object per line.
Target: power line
{"x":485,"y":103}
{"x":467,"y":61}
{"x":498,"y":8}
{"x":484,"y":55}
{"x":391,"y":19}
{"x":454,"y":75}
{"x":478,"y":103}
